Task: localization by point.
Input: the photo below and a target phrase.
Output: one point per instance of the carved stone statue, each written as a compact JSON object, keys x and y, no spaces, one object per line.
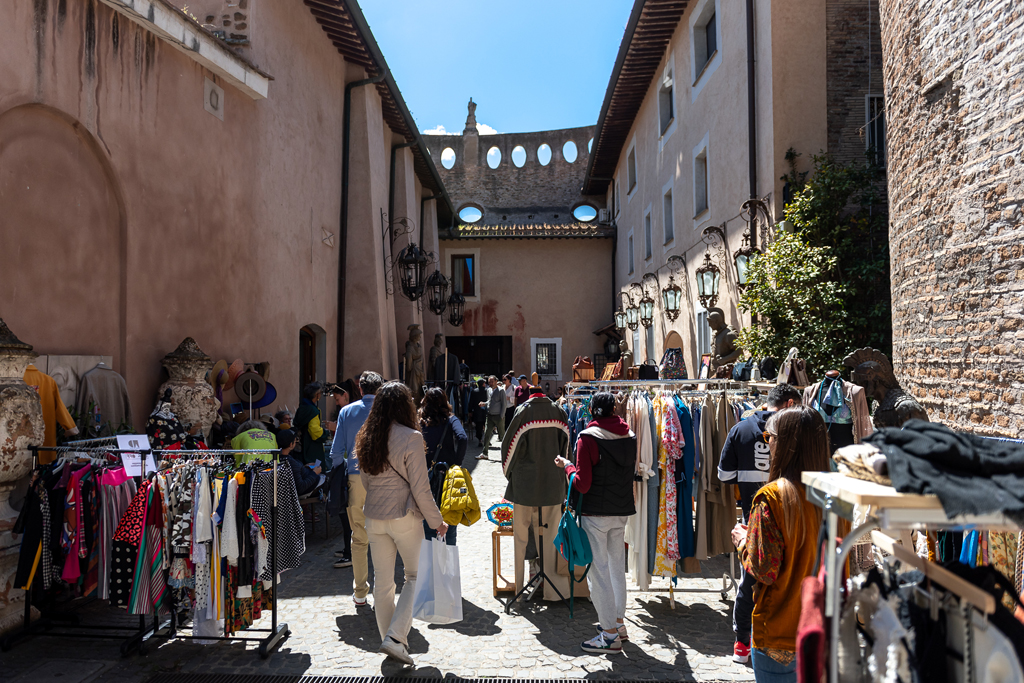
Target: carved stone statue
{"x":725,"y":351}
{"x":626,"y":356}
{"x":192,"y":397}
{"x":471,"y":118}
{"x":873,"y":371}
{"x":414,"y":361}
{"x":436,"y":351}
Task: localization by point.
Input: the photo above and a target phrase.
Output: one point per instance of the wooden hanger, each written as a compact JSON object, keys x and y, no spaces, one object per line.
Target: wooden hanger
{"x":950,"y":581}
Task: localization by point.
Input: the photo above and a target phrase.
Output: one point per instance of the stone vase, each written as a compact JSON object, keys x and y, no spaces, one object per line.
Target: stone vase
{"x":21,"y":426}
{"x":192,"y":397}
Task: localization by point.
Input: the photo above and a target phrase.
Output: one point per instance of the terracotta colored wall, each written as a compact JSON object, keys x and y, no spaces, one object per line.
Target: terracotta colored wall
{"x":539,"y":288}
{"x":143,"y":219}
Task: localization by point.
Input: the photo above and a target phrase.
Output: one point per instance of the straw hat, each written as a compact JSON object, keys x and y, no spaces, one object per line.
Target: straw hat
{"x":237,"y":368}
{"x":218,"y":373}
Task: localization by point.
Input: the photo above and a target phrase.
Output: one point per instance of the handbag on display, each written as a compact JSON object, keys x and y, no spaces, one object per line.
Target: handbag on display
{"x":741,"y":371}
{"x":794,"y":370}
{"x":769,"y":368}
{"x":672,"y":364}
{"x":572,"y":542}
{"x":582,"y":369}
{"x":633,"y":373}
{"x":648,"y":370}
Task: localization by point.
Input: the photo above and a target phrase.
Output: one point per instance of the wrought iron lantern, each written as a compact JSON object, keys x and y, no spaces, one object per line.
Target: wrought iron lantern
{"x":437,"y":292}
{"x":743,"y":257}
{"x":672,"y":294}
{"x":646,"y":311}
{"x":632,"y":316}
{"x":622,"y":315}
{"x":648,"y":283}
{"x":456,"y":306}
{"x":412,"y":261}
{"x":709,"y":276}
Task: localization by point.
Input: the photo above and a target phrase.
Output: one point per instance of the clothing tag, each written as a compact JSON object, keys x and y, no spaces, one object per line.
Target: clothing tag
{"x":133,"y":461}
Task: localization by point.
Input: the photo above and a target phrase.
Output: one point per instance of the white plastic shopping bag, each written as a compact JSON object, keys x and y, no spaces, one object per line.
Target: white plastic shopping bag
{"x":438,"y":596}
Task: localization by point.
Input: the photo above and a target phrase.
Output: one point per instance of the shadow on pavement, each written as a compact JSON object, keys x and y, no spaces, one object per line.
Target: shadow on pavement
{"x":475,"y":622}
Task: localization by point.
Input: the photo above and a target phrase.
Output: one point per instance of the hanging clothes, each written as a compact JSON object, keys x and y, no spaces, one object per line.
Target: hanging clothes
{"x":636,"y":527}
{"x":669,"y":452}
{"x":684,"y":482}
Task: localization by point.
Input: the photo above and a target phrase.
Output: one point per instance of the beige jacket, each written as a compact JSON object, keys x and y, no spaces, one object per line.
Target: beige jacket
{"x":403,"y":487}
{"x":856,"y":398}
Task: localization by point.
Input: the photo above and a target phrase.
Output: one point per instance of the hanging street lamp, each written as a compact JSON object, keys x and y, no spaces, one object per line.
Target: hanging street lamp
{"x":648,"y":283}
{"x":743,"y":257}
{"x":709,"y":275}
{"x":633,"y":310}
{"x":672,"y":294}
{"x":622,"y":315}
{"x":412,"y":261}
{"x":437,"y":292}
{"x":456,"y":305}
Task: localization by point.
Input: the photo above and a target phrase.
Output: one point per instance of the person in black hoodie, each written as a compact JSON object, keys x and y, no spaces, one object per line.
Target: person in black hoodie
{"x":307,"y":479}
{"x":745,"y":459}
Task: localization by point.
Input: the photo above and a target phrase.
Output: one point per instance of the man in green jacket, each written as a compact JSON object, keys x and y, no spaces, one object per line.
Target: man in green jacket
{"x":307,"y":423}
{"x":538,"y":432}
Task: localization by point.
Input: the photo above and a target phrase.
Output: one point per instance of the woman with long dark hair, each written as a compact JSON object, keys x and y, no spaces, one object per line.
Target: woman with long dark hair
{"x":778,"y":546}
{"x":445,"y":442}
{"x":394,"y":472}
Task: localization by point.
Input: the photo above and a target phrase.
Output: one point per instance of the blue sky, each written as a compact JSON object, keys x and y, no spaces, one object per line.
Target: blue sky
{"x":529,"y":65}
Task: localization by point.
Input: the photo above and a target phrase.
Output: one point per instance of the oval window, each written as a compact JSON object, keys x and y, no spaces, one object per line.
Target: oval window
{"x":448,"y":157}
{"x":585,"y":213}
{"x":471,"y":214}
{"x":544,"y":154}
{"x":493,"y":157}
{"x":569,"y":151}
{"x":519,"y":156}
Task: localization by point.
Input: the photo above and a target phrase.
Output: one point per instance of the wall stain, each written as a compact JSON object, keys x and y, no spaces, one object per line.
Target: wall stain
{"x":115,"y":33}
{"x":489,"y":318}
{"x":62,"y":13}
{"x":150,"y":51}
{"x":39,"y":11}
{"x":90,"y":38}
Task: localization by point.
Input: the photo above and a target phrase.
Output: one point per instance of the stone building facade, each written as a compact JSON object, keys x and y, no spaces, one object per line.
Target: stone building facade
{"x":157,"y":185}
{"x":954,"y":104}
{"x":542,"y":276}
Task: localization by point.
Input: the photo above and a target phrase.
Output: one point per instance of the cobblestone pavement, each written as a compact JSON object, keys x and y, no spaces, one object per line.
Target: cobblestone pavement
{"x":329,"y":635}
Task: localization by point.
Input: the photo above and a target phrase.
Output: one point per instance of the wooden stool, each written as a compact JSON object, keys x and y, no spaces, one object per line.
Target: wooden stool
{"x":505,"y":586}
{"x":309,"y":503}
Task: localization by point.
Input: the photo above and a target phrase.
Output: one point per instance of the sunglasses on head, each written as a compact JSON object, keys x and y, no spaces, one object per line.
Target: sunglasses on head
{"x":767,"y":435}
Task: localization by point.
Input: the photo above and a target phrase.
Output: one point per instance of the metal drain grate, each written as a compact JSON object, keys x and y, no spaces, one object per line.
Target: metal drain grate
{"x":236,"y":678}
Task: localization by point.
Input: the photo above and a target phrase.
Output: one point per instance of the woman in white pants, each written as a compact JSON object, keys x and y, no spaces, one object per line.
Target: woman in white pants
{"x":398,"y":499}
{"x":604,"y":469}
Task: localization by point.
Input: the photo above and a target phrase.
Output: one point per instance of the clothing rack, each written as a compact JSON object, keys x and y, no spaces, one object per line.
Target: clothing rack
{"x":134,"y":639}
{"x":277,"y":633}
{"x":722,"y":386}
{"x":838,"y":494}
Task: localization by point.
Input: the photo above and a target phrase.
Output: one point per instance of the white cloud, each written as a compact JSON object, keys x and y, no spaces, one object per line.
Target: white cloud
{"x":482,"y":129}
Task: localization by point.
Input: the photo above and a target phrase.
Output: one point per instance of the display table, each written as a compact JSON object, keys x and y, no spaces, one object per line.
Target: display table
{"x":838,"y":494}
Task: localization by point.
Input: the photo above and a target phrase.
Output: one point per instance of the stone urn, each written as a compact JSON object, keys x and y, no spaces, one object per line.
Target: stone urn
{"x":21,"y":426}
{"x":192,"y":398}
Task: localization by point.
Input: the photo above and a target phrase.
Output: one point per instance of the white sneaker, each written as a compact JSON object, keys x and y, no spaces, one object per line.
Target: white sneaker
{"x":395,"y":650}
{"x":602,"y":643}
{"x":360,"y":602}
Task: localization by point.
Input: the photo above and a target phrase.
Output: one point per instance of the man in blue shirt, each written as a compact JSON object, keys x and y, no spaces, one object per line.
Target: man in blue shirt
{"x":350,"y":421}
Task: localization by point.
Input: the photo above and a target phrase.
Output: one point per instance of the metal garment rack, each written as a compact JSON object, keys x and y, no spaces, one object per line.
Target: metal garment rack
{"x":59,"y":625}
{"x":678,"y":387}
{"x":837,"y":494}
{"x":277,"y":633}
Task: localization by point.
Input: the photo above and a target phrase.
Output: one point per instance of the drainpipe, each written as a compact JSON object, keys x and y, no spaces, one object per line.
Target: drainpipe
{"x":346,"y":136}
{"x":751,"y":115}
{"x":391,"y":186}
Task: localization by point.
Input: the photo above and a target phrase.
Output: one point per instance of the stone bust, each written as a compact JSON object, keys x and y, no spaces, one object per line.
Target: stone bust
{"x":725,"y":351}
{"x":626,"y":356}
{"x":873,"y":371}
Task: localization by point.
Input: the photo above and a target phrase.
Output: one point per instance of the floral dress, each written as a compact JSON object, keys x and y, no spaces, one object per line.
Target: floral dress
{"x":670,"y":450}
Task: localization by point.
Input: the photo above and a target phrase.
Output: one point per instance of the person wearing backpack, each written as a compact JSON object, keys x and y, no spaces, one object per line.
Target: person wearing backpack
{"x":445,"y":441}
{"x":606,"y":459}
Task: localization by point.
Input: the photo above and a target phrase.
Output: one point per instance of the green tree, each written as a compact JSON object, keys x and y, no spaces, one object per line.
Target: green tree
{"x":797,"y":303}
{"x":843,"y":207}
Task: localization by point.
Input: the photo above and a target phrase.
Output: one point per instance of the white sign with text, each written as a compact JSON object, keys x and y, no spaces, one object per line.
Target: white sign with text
{"x":132,"y":460}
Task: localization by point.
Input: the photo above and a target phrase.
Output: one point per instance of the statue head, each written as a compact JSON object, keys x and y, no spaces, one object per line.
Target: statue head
{"x":871,"y":370}
{"x":716,"y":319}
{"x":438,"y":340}
{"x":415,"y":333}
{"x":623,"y":346}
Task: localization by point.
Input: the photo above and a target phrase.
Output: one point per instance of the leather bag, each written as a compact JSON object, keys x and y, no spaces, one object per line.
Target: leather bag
{"x":582,"y":369}
{"x":672,"y":364}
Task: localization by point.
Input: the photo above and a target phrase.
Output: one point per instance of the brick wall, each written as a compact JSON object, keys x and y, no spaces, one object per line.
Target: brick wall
{"x":854,"y":70}
{"x":953,"y":74}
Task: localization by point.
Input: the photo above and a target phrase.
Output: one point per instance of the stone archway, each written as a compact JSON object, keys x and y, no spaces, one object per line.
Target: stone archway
{"x":62,"y":284}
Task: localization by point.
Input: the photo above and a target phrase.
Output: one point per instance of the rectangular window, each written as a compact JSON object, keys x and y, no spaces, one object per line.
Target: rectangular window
{"x":650,"y":344}
{"x":710,"y":37}
{"x":700,"y":182}
{"x":616,"y":198}
{"x":629,"y":254}
{"x":547,"y":359}
{"x":670,"y":230}
{"x":666,"y":103}
{"x":636,"y":347}
{"x":703,"y":333}
{"x":464,"y":274}
{"x":704,"y":35}
{"x":875,"y":129}
{"x":631,"y":169}
{"x":648,"y":239}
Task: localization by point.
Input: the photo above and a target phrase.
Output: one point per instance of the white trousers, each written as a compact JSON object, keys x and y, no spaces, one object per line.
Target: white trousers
{"x":389,"y":537}
{"x":607,"y":577}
